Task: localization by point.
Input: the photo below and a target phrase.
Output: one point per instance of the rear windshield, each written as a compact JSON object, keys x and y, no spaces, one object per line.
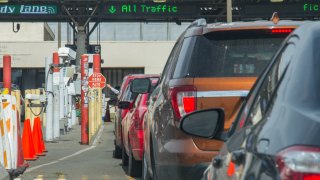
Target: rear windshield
{"x":227,"y":54}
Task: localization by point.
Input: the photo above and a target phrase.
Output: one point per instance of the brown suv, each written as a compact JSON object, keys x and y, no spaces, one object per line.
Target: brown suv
{"x":210,"y":66}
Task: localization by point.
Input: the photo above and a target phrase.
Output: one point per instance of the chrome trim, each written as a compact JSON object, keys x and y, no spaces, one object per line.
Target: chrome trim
{"x":237,"y":93}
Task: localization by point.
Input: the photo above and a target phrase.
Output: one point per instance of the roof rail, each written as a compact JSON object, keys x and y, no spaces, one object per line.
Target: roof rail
{"x":198,"y":23}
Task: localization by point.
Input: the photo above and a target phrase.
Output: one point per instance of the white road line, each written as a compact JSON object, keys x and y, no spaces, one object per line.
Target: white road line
{"x":72,"y":155}
{"x":98,"y":136}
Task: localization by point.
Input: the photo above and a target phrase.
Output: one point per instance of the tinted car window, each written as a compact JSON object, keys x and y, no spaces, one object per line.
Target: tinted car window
{"x":128,"y":95}
{"x":260,"y":99}
{"x":227,"y":54}
{"x":259,"y":104}
{"x":169,"y":61}
{"x":269,"y":86}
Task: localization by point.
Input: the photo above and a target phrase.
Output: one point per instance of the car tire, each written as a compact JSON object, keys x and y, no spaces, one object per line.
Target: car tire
{"x":145,"y":171}
{"x":134,"y":166}
{"x":125,"y":158}
{"x":153,"y":166}
{"x":117,"y":153}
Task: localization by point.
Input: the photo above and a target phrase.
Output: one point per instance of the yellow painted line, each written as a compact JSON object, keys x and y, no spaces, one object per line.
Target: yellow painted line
{"x":61,"y":177}
{"x":84,"y":177}
{"x":130,"y":178}
{"x":39,"y":177}
{"x":106,"y":177}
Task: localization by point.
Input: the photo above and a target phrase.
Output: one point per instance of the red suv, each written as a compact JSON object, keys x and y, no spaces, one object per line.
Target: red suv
{"x":132,"y":132}
{"x":125,"y":95}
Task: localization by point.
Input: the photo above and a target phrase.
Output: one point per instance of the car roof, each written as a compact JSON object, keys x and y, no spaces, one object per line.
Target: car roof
{"x":304,"y":64}
{"x":241,"y":25}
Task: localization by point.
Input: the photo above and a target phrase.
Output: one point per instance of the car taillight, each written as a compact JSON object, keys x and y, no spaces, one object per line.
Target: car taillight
{"x":299,"y":163}
{"x":183,"y":100}
{"x":282,"y":30}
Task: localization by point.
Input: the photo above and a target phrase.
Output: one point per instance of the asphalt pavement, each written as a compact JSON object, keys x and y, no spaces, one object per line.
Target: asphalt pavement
{"x":67,"y":159}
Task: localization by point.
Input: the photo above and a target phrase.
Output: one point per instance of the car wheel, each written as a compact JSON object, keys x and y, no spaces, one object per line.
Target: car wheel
{"x":117,"y":153}
{"x":145,"y":171}
{"x":125,"y":158}
{"x":153,"y":166}
{"x":135,"y":167}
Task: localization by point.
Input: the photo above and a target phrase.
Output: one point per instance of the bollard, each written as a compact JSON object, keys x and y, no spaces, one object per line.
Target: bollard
{"x":97,"y":69}
{"x":49,"y":109}
{"x":62,"y":96}
{"x":91,"y":95}
{"x":56,"y":100}
{"x":84,"y":100}
{"x":7,"y":72}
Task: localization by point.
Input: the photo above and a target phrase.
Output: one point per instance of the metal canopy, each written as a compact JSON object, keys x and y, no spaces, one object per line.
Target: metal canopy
{"x":112,"y":10}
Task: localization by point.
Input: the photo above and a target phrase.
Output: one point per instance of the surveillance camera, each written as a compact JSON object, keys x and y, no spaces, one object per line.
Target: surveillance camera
{"x":67,"y":53}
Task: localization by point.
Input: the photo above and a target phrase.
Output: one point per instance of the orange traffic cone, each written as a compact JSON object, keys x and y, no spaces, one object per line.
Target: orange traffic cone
{"x":21,"y":163}
{"x":43,"y":146}
{"x":27,"y":142}
{"x":37,"y":138}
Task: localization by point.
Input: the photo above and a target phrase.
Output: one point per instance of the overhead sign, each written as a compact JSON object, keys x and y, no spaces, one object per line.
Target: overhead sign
{"x":149,"y":10}
{"x":97,"y":80}
{"x":111,"y":10}
{"x":284,"y":8}
{"x":28,"y":9}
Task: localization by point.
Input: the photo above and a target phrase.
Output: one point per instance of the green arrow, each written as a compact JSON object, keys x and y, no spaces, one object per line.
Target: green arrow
{"x":112,"y":10}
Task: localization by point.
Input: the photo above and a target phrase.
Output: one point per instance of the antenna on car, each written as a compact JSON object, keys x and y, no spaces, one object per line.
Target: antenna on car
{"x":275,"y":18}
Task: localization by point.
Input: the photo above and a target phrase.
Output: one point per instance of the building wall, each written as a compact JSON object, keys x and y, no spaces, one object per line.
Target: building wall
{"x":151,"y":55}
{"x":27,"y":32}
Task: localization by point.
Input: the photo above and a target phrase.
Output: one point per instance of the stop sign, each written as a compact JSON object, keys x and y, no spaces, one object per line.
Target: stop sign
{"x":97,"y":80}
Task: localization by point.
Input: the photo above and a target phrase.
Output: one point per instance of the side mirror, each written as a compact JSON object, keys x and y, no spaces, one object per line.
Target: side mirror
{"x":112,"y":102}
{"x":140,"y":86}
{"x":204,"y":123}
{"x":124,"y":105}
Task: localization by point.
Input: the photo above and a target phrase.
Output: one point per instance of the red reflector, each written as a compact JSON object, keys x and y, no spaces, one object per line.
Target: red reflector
{"x":140,"y":134}
{"x":311,"y":177}
{"x":283,"y":30}
{"x":189,"y":104}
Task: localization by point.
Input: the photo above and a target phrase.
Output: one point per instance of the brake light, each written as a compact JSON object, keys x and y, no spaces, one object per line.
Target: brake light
{"x":282,"y":31}
{"x":299,"y":163}
{"x":183,"y":100}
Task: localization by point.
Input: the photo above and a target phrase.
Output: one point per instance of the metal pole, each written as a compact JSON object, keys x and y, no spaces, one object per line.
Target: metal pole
{"x":81,"y":45}
{"x":7,"y":72}
{"x":84,"y":100}
{"x":96,"y":63}
{"x":62,"y":92}
{"x":66,"y":107}
{"x":229,"y":11}
{"x":70,"y":123}
{"x":56,"y":102}
{"x":59,"y":34}
{"x":73,"y":112}
{"x":49,"y":109}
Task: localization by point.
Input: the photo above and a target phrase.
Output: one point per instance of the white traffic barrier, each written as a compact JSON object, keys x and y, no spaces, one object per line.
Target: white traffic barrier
{"x":14,"y":122}
{"x":8,"y":131}
{"x":5,"y":131}
{"x":4,"y":175}
{"x":3,"y":153}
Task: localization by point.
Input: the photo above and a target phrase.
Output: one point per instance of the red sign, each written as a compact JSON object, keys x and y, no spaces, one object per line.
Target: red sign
{"x":97,"y":80}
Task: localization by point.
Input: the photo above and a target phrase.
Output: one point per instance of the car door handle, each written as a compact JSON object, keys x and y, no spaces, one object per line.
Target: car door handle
{"x":217,"y":162}
{"x":154,"y":98}
{"x":238,"y":156}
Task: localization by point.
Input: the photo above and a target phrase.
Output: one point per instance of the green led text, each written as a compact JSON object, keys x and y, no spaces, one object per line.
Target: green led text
{"x":310,"y":7}
{"x":143,"y":8}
